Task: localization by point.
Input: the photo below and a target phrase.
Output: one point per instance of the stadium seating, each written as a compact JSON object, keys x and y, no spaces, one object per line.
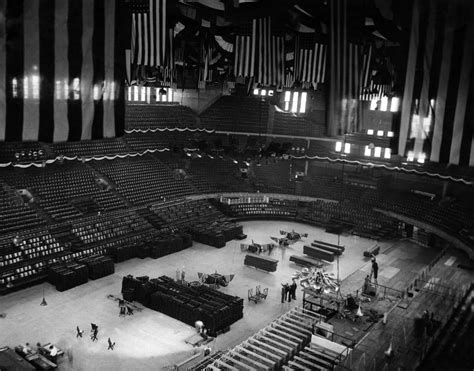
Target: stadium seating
{"x":237,"y":114}
{"x":159,"y":116}
{"x":127,"y":207}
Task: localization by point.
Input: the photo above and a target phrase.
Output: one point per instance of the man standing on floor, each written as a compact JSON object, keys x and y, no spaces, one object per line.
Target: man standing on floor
{"x":293,"y":288}
{"x":375,"y":270}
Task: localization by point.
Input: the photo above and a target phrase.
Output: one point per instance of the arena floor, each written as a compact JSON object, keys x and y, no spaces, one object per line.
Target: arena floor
{"x":148,"y":339}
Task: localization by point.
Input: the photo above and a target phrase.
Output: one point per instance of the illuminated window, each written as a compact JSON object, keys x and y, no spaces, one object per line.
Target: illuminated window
{"x":390,"y":134}
{"x":426,"y":126}
{"x":377,"y":151}
{"x":394,"y":107}
{"x":95,"y":92}
{"x":303,"y":102}
{"x":410,"y":156}
{"x":367,"y":151}
{"x":347,"y":148}
{"x":373,"y":104}
{"x":148,"y":94}
{"x":387,"y":153}
{"x":25,"y":88}
{"x":135,"y":93}
{"x":35,"y":82}
{"x":112,"y":91}
{"x":370,"y":131}
{"x":294,"y":104}
{"x":421,"y":158}
{"x":14,"y":88}
{"x":57,"y":89}
{"x":143,"y":94}
{"x":263,"y":92}
{"x":170,"y":95}
{"x":270,"y":93}
{"x":384,"y":104}
{"x":287,"y":106}
{"x":255,"y":91}
{"x":129,"y":93}
{"x":76,"y":88}
{"x":380,"y":133}
{"x":338,"y":146}
{"x":66,"y":89}
{"x":287,"y":96}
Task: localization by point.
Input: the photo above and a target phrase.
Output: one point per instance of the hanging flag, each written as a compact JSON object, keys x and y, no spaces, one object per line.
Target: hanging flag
{"x":310,"y":59}
{"x":62,"y":67}
{"x":436,"y":119}
{"x":150,"y":41}
{"x":259,"y":53}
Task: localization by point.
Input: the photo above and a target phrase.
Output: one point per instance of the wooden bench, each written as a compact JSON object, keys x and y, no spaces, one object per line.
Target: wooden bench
{"x":316,"y":252}
{"x":372,"y":251}
{"x":329,"y":244}
{"x":305,"y":261}
{"x":335,"y":250}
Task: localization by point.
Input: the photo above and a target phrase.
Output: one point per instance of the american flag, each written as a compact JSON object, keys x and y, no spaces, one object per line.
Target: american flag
{"x":150,"y":38}
{"x":61,"y":70}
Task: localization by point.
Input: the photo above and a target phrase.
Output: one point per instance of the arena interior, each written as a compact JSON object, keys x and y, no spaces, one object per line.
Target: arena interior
{"x":236,"y":185}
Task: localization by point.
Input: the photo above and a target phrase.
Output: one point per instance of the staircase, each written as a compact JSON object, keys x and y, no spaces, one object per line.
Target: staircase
{"x":151,"y":217}
{"x":63,"y":234}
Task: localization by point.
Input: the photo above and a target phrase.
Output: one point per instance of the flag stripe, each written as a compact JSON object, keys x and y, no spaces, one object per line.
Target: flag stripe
{"x":61,"y":66}
{"x":163,"y":29}
{"x":46,"y":67}
{"x":87,"y":71}
{"x":146,"y":46}
{"x":237,"y":54}
{"x":451,"y":99}
{"x":462,"y":94}
{"x":14,"y":64}
{"x":252,"y":59}
{"x":74,"y":109}
{"x":118,"y":92}
{"x":409,"y":80}
{"x":3,"y":69}
{"x":109,"y":45}
{"x":98,"y":81}
{"x":442,"y":92}
{"x":31,"y":71}
{"x":152,"y":35}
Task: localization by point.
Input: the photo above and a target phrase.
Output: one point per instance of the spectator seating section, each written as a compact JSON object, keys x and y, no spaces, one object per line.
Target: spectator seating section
{"x":81,"y":218}
{"x":286,"y":122}
{"x":14,"y":213}
{"x":88,"y":148}
{"x":159,"y":116}
{"x":237,"y":114}
{"x":55,"y":186}
{"x":143,"y":180}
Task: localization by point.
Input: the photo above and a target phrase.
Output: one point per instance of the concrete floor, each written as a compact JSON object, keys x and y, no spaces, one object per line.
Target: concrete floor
{"x":150,"y":340}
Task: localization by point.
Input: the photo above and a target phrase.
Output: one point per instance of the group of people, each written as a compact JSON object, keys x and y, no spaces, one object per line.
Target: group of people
{"x":288,"y":291}
{"x":94,"y":334}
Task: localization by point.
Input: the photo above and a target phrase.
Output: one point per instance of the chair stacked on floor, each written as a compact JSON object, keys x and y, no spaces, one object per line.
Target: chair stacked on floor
{"x":67,"y":276}
{"x":188,"y":304}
